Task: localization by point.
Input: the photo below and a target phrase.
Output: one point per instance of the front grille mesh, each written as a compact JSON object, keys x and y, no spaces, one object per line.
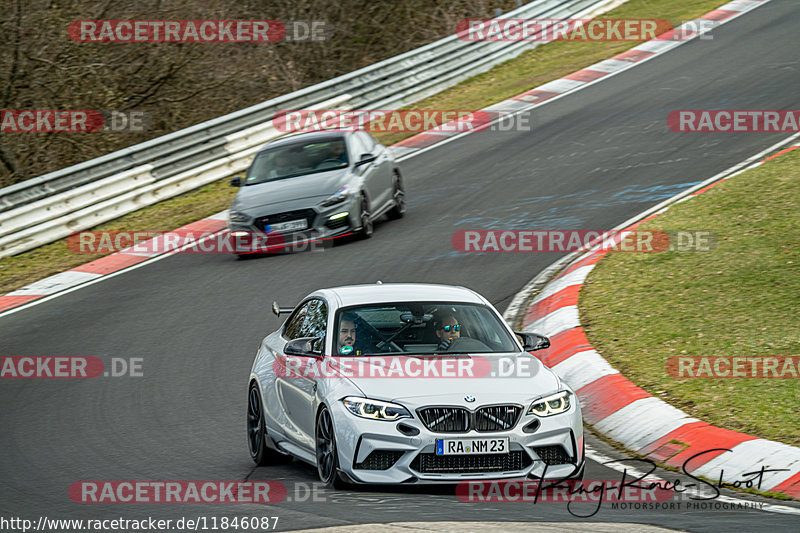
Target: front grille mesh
{"x":430,"y":463}
{"x":307,"y":214}
{"x":460,"y":420}
{"x":497,"y":418}
{"x":553,"y":455}
{"x":379,"y":460}
{"x":445,"y":419}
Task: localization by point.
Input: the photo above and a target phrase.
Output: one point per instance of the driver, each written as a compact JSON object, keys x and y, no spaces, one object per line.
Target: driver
{"x":447,"y":329}
{"x":348,"y":335}
{"x":337,"y":152}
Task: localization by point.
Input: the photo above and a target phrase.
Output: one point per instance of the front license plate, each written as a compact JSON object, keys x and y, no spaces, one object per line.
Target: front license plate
{"x":292,"y":225}
{"x":471,"y":446}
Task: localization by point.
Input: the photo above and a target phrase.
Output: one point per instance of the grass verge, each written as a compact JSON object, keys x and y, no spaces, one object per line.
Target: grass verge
{"x":741,"y":299}
{"x":532,"y":68}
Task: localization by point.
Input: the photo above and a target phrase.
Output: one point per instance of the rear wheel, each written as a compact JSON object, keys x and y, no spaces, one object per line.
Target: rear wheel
{"x":399,"y":197}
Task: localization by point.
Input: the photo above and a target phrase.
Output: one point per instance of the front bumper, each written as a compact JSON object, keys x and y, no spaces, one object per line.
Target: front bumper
{"x":358,"y":438}
{"x":324,"y":224}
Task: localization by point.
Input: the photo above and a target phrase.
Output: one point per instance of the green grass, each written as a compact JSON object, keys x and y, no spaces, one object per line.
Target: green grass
{"x":741,"y":299}
{"x":535,"y":67}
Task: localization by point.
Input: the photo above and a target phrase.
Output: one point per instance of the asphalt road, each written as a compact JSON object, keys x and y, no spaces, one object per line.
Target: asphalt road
{"x":592,"y":160}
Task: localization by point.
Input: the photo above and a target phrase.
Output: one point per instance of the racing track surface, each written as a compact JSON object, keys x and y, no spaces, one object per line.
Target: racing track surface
{"x":594,"y":159}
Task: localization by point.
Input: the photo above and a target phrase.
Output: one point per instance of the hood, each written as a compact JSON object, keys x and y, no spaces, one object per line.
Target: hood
{"x":321,"y":184}
{"x":494,"y":378}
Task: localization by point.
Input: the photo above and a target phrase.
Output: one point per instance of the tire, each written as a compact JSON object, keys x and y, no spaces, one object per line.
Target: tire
{"x":326,"y":451}
{"x":367,"y":227}
{"x":399,"y":196}
{"x":260,"y":453}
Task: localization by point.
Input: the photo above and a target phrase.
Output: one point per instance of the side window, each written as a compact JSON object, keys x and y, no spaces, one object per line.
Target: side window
{"x":357,"y":146}
{"x":316,"y":323}
{"x":294,"y":327}
{"x":367,"y":141}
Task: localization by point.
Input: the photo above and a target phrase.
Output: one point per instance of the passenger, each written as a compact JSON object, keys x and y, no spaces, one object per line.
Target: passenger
{"x":282,"y":166}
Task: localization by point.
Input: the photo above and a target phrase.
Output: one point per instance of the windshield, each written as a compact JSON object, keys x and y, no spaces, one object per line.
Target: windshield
{"x":420,"y":328}
{"x":297,"y":159}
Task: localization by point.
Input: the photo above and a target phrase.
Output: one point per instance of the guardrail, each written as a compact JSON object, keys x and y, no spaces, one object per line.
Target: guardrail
{"x":50,"y":207}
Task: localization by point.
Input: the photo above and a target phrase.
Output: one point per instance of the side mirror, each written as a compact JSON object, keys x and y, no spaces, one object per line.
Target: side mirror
{"x":278,"y":310}
{"x":302,"y":346}
{"x":236,"y":181}
{"x":366,"y":158}
{"x":533,"y":341}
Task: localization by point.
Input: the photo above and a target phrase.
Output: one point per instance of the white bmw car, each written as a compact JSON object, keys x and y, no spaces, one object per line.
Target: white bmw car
{"x":410,"y":383}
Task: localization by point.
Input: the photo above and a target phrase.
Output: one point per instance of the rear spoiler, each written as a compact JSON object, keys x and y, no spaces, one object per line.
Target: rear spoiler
{"x":278,"y":310}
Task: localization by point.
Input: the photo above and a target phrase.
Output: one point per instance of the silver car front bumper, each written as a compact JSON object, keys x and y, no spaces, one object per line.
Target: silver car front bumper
{"x":357,"y":438}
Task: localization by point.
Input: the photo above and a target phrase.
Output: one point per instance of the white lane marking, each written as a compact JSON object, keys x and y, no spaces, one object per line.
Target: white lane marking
{"x":55,"y":283}
{"x":611,"y":463}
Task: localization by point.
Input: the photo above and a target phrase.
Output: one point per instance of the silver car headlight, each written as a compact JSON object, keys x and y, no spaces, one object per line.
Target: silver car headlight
{"x":337,"y":197}
{"x":375,"y":409}
{"x":555,"y":404}
{"x":236,"y":216}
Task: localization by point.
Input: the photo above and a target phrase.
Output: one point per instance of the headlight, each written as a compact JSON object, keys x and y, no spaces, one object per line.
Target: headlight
{"x":236,"y":216}
{"x":375,"y":409}
{"x":554,"y":404}
{"x":337,"y":197}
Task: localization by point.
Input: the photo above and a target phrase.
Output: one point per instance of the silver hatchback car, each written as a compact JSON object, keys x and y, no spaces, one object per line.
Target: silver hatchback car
{"x":317,"y":186}
{"x":410,"y":383}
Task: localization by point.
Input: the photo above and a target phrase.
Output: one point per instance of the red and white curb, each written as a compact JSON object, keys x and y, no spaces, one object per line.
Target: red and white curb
{"x":106,"y":266}
{"x":122,"y":261}
{"x":626,"y":413}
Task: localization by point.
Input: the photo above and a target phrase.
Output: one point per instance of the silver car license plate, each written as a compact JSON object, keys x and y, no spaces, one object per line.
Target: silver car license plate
{"x":471,"y":446}
{"x":292,"y":225}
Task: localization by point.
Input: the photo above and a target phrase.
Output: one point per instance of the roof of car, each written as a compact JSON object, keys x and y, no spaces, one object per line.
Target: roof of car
{"x":401,"y":292}
{"x":305,"y":135}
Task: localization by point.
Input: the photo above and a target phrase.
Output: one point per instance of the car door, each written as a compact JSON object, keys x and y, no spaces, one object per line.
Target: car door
{"x":281,"y":416}
{"x":383,"y":170}
{"x":366,"y":171}
{"x":296,"y":390}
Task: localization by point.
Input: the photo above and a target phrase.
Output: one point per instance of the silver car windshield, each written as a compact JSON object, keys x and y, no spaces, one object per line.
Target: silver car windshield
{"x":420,"y":328}
{"x":297,"y":159}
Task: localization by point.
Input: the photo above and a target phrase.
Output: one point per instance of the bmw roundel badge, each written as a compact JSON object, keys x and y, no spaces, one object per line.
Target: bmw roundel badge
{"x":469,"y":398}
